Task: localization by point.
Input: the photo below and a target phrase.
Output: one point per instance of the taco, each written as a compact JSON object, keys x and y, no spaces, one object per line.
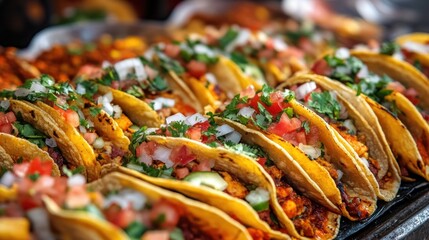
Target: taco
{"x":27,"y":121}
{"x":119,"y":207}
{"x":213,"y":176}
{"x":141,"y":90}
{"x":395,"y":91}
{"x":349,"y":121}
{"x":415,"y":49}
{"x":304,"y":217}
{"x":311,"y":142}
{"x":21,"y":189}
{"x":201,"y":67}
{"x":97,"y":137}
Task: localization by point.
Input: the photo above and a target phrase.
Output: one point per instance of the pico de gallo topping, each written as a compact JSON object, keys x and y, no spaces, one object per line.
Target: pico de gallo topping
{"x":70,"y":106}
{"x":332,"y":110}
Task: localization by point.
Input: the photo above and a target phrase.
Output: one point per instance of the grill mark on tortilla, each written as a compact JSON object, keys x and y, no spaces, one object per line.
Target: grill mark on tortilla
{"x":55,"y":134}
{"x":33,"y":114}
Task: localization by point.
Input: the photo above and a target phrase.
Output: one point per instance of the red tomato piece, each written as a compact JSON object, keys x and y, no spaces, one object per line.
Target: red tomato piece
{"x":10,"y":116}
{"x":3,"y":118}
{"x":285,"y":125}
{"x":181,"y":172}
{"x":29,"y":202}
{"x":171,"y":214}
{"x":146,"y":147}
{"x":262,"y":161}
{"x":291,"y":138}
{"x":313,"y":135}
{"x":196,"y":69}
{"x":6,"y":128}
{"x":158,"y":235}
{"x":300,"y":137}
{"x":90,"y":137}
{"x":182,"y":155}
{"x":37,"y":166}
{"x":172,"y":50}
{"x":321,"y":67}
{"x":72,"y":118}
{"x":194,"y":133}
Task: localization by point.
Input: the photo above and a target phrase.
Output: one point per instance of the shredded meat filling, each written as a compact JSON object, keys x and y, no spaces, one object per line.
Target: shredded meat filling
{"x":235,"y":187}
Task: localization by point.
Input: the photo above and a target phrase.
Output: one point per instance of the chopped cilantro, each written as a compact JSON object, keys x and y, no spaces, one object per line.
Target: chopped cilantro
{"x":168,"y":64}
{"x":137,"y":138}
{"x":226,"y":39}
{"x":178,"y":129}
{"x":108,"y":77}
{"x":296,"y":36}
{"x":289,"y":111}
{"x":417,"y":64}
{"x":72,"y":172}
{"x":324,"y":103}
{"x":212,"y":144}
{"x":30,"y":133}
{"x":263,"y":119}
{"x":94,"y":111}
{"x":176,"y":234}
{"x":90,"y":87}
{"x":265,"y":94}
{"x":389,"y":48}
{"x":135,"y":230}
{"x":33,"y":177}
{"x":158,"y":84}
{"x":306,"y":126}
{"x":159,"y":220}
{"x":135,"y":91}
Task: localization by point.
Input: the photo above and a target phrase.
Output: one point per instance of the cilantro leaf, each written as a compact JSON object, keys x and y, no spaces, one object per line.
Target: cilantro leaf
{"x":158,"y":84}
{"x":178,"y":129}
{"x":324,"y":103}
{"x":389,"y":48}
{"x":94,"y":111}
{"x":137,"y":138}
{"x":263,"y":119}
{"x":306,"y":126}
{"x":265,"y":94}
{"x":226,"y":39}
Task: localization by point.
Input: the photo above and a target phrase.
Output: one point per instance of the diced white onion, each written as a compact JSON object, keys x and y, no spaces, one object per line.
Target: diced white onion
{"x":310,"y":151}
{"x":146,"y":159}
{"x":7,"y":179}
{"x":149,"y":53}
{"x":115,"y":199}
{"x":373,"y":78}
{"x":242,"y":38}
{"x":342,"y":53}
{"x":165,"y":102}
{"x":98,"y":143}
{"x":365,"y":161}
{"x":343,"y":111}
{"x":76,"y":180}
{"x":117,"y":111}
{"x":40,"y":223}
{"x":5,"y":104}
{"x":163,"y":154}
{"x":398,"y":55}
{"x":223,"y":130}
{"x":233,"y":137}
{"x":343,"y":70}
{"x":175,"y":118}
{"x":279,"y":44}
{"x":259,"y":195}
{"x":108,"y":97}
{"x":156,"y":105}
{"x":349,"y":125}
{"x":136,"y":199}
{"x":80,"y":89}
{"x":363,"y":72}
{"x":105,"y":64}
{"x":90,"y":123}
{"x":150,"y":130}
{"x":246,"y":112}
{"x":196,"y":118}
{"x":132,"y":65}
{"x":37,"y":87}
{"x":203,"y":49}
{"x":50,"y":142}
{"x":304,"y":89}
{"x":416,"y":47}
{"x":340,"y":174}
{"x":22,"y":92}
{"x":211,"y":78}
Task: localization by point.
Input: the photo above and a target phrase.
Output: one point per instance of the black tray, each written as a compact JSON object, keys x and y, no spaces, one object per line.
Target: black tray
{"x":397,"y":219}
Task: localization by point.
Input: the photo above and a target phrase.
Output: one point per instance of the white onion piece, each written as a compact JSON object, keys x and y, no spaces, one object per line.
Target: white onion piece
{"x":363,"y":72}
{"x":105,"y":64}
{"x":156,"y":105}
{"x":211,"y":78}
{"x":246,"y":112}
{"x":5,"y":104}
{"x":165,"y":102}
{"x":98,"y":143}
{"x":117,"y":111}
{"x":22,"y":92}
{"x":37,"y":87}
{"x":50,"y":142}
{"x":196,"y":118}
{"x":108,"y":97}
{"x":163,"y":154}
{"x":310,"y":151}
{"x":257,"y":196}
{"x":304,"y":89}
{"x":82,"y":129}
{"x":242,"y":38}
{"x":398,"y":55}
{"x":365,"y":161}
{"x":349,"y":125}
{"x":115,"y":199}
{"x":203,"y":49}
{"x":340,"y":174}
{"x":150,"y":130}
{"x":7,"y":179}
{"x":127,"y":66}
{"x":223,"y":130}
{"x":342,"y":53}
{"x":90,"y":123}
{"x":80,"y":89}
{"x":40,"y":223}
{"x":136,"y":199}
{"x":416,"y":47}
{"x":233,"y":137}
{"x":343,"y":70}
{"x":279,"y":44}
{"x":175,"y":118}
{"x":373,"y":78}
{"x":76,"y":180}
{"x":343,"y":111}
{"x":146,"y":159}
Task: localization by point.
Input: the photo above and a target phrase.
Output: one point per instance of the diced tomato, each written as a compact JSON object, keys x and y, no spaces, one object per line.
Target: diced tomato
{"x":313,"y":135}
{"x":202,"y":125}
{"x":396,"y":86}
{"x":158,"y":235}
{"x":266,"y":53}
{"x":41,"y":167}
{"x":119,"y":217}
{"x":171,"y":214}
{"x":305,"y":44}
{"x":291,"y":138}
{"x":90,"y":137}
{"x":276,"y":97}
{"x":146,"y":147}
{"x":77,"y":197}
{"x":285,"y":125}
{"x":10,"y":116}
{"x":262,"y":161}
{"x":186,"y":109}
{"x":412,"y":95}
{"x":321,"y":67}
{"x":28,"y":202}
{"x":276,"y":108}
{"x":172,"y":50}
{"x":182,"y":155}
{"x":181,"y":172}
{"x":90,"y":71}
{"x":72,"y":118}
{"x":193,"y":133}
{"x":300,"y":137}
{"x":115,"y":84}
{"x":6,"y":128}
{"x":204,"y":166}
{"x":196,"y":69}
{"x":3,"y":118}
{"x":254,"y":102}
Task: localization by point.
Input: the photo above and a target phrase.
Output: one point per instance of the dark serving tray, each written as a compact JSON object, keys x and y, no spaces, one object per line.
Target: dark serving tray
{"x":398,"y":219}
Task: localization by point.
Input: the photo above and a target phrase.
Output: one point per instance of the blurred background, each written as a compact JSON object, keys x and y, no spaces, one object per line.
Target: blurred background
{"x":20,"y":20}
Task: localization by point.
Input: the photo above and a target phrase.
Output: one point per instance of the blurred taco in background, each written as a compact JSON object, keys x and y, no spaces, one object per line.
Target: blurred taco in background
{"x":394,"y":90}
{"x":143,"y":92}
{"x":311,"y":142}
{"x":120,"y":207}
{"x":300,"y":212}
{"x":347,"y":116}
{"x":213,"y":176}
{"x":95,"y":137}
{"x":415,"y":49}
